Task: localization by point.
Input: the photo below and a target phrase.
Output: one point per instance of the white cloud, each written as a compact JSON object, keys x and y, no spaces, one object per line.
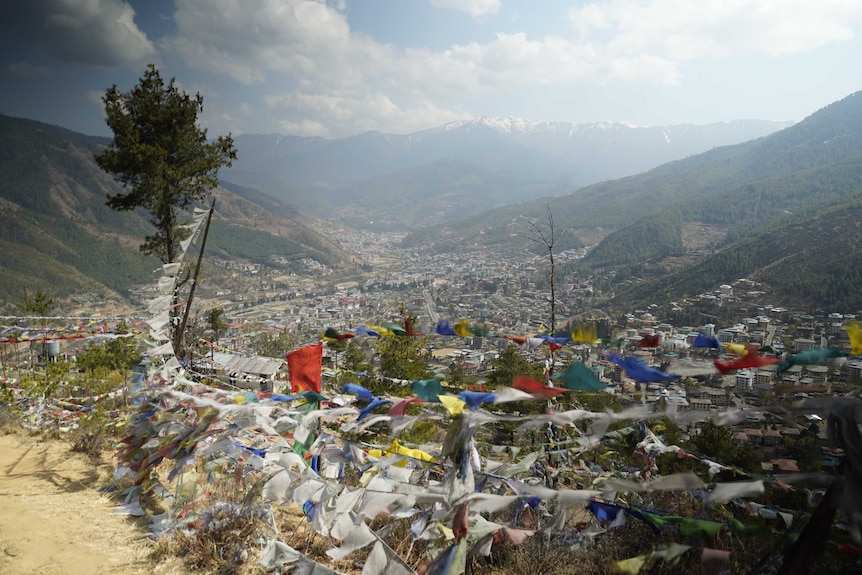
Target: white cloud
{"x":682,"y":30}
{"x":316,"y":114}
{"x":321,"y":78}
{"x":476,"y":8}
{"x":333,"y":76}
{"x":95,"y":97}
{"x":95,"y":32}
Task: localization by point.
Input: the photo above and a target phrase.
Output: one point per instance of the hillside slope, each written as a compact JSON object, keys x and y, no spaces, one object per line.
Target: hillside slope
{"x":812,"y":263}
{"x":361,"y":178}
{"x":826,"y":141}
{"x":58,"y":236}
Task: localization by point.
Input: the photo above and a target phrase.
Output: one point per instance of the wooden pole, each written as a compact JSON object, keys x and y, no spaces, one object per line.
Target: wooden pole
{"x":178,"y":343}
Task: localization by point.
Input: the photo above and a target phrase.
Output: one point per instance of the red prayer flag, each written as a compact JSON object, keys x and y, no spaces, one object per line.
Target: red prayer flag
{"x":534,"y":386}
{"x":304,"y":365}
{"x":753,"y":359}
{"x":649,"y":341}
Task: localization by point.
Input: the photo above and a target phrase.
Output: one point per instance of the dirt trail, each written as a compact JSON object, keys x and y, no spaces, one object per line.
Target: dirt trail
{"x":54,"y":520}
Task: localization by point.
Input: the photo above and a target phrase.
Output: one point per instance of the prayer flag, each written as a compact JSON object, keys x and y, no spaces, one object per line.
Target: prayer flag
{"x":649,"y":341}
{"x":753,"y":359}
{"x":530,"y":385}
{"x":585,"y":334}
{"x":444,"y":327}
{"x":579,"y":376}
{"x":854,"y":332}
{"x":810,"y":356}
{"x":427,"y":389}
{"x":708,"y":341}
{"x":462,"y":328}
{"x":304,"y":365}
{"x":639,"y":371}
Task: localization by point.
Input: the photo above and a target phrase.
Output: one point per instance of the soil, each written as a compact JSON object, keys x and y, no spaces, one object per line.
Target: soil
{"x":54,"y":520}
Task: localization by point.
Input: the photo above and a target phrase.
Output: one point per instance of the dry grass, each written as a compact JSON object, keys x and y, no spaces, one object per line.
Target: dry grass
{"x":89,"y":438}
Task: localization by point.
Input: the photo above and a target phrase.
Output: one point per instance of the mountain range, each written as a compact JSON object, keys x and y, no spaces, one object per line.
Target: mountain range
{"x":662,"y":232}
{"x":403,"y":182}
{"x":709,"y":208}
{"x":827,"y":140}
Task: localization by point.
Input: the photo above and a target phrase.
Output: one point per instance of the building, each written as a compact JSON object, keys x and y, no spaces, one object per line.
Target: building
{"x":744,"y":381}
{"x":803,"y":344}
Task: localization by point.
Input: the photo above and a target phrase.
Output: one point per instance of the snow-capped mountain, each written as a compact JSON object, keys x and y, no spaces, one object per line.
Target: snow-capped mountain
{"x":534,"y":157}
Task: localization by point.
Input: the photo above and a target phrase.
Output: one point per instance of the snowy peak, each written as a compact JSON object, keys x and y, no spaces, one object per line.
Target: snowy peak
{"x":509,"y":125}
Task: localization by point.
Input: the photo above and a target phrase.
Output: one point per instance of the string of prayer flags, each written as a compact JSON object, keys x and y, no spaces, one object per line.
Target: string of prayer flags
{"x":365,"y":330}
{"x":332,"y":335}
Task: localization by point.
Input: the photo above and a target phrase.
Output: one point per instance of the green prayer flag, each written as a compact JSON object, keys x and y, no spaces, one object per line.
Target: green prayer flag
{"x":691,"y":527}
{"x":579,"y":377}
{"x":427,"y":389}
{"x":738,"y":526}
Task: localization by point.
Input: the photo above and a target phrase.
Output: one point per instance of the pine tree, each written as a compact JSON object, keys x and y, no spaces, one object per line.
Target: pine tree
{"x":161,"y":156}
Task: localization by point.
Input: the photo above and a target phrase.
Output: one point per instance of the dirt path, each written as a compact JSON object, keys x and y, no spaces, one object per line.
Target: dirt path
{"x":54,"y":520}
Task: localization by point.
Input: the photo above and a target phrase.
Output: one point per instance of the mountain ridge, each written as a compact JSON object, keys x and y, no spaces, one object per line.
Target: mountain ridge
{"x":58,"y":235}
{"x":829,"y":136}
{"x":541,"y":158}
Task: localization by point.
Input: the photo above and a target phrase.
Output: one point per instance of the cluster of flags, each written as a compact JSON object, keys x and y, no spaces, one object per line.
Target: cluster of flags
{"x":294,"y":449}
{"x":19,"y":334}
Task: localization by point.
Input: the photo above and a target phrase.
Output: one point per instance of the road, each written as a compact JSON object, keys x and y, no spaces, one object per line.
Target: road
{"x":430,"y":306}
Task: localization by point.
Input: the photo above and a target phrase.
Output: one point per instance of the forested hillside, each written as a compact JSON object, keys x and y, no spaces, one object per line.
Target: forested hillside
{"x":822,"y":150}
{"x":815,"y":262}
{"x":742,"y":211}
{"x":58,"y":236}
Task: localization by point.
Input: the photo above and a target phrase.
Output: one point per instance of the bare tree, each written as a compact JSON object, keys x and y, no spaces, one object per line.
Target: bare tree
{"x":547,"y":238}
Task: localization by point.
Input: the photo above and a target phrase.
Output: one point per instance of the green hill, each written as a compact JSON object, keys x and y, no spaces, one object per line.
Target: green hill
{"x":58,"y":236}
{"x":816,"y":262}
{"x":723,"y":183}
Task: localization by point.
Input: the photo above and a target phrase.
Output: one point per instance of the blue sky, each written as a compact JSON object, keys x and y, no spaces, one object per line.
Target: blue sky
{"x":341,"y":67}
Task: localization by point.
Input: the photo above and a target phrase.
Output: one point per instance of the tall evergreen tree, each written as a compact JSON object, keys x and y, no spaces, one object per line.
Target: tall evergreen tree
{"x":161,"y":156}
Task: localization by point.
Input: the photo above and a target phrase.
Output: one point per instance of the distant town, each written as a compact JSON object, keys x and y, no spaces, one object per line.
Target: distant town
{"x":502,"y":292}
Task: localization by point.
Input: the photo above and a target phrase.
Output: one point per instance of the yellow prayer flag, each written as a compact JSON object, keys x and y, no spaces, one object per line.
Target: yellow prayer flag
{"x":462,"y":328}
{"x":854,"y":332}
{"x":454,"y":405}
{"x":736,"y":349}
{"x":632,"y":566}
{"x":585,"y":334}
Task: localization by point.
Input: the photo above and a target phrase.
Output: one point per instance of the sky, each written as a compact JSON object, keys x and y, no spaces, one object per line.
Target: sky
{"x":337,"y":68}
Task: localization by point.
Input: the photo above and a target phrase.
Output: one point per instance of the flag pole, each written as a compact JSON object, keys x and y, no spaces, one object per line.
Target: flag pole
{"x":179,"y":336}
